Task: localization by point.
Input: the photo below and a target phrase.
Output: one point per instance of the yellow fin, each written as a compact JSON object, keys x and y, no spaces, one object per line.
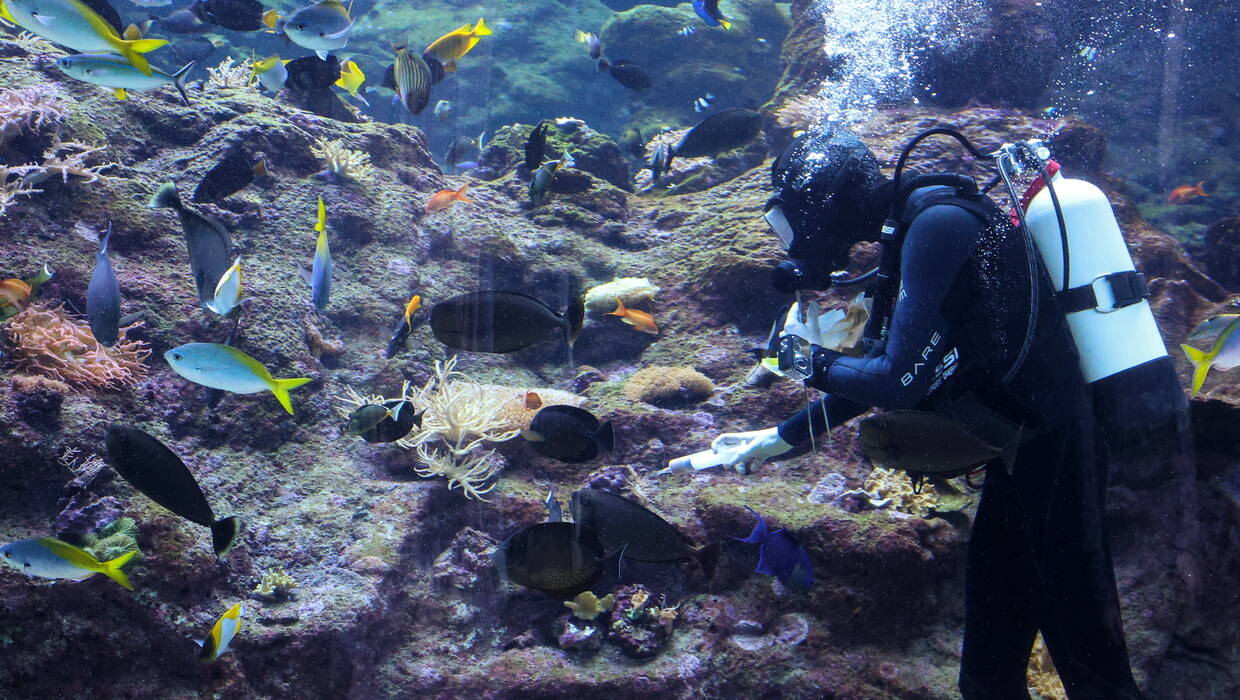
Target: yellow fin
{"x":481,"y":29}
{"x":725,"y":24}
{"x":271,"y":18}
{"x":112,"y":569}
{"x":120,"y":94}
{"x":1201,"y":361}
{"x":281,"y":387}
{"x":4,"y":12}
{"x":321,"y":225}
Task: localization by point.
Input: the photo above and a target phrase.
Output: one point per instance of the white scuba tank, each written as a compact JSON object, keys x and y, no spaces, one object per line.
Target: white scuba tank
{"x":1110,"y":340}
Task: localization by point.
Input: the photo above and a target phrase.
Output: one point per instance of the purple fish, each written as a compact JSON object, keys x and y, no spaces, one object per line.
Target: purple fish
{"x":779,"y":555}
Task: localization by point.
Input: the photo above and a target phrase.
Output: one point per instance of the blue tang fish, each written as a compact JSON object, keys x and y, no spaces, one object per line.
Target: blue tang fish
{"x":780,"y":556}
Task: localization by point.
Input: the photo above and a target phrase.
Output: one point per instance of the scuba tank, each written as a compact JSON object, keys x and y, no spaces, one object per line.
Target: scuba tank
{"x":1104,"y":299}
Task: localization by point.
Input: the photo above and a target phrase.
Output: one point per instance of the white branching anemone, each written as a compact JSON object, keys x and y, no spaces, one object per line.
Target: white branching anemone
{"x":473,"y":474}
{"x":342,"y":163}
{"x":232,"y":74}
{"x":458,"y":411}
{"x":458,"y":416}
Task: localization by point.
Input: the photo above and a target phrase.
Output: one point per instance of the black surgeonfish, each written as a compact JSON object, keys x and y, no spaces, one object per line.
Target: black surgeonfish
{"x":312,"y":73}
{"x":234,"y":171}
{"x":559,"y":559}
{"x":156,"y":471}
{"x":644,"y":536}
{"x":719,"y":132}
{"x":103,"y":297}
{"x":500,"y":321}
{"x":569,"y":434}
{"x":184,"y":21}
{"x":628,"y":74}
{"x":238,"y":15}
{"x":207,"y":239}
{"x":536,"y":147}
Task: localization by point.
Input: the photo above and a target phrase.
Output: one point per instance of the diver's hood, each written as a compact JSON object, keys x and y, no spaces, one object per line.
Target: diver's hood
{"x":829,"y":194}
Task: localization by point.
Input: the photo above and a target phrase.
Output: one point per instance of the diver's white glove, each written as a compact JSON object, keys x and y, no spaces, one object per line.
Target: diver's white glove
{"x":807,"y":329}
{"x":745,"y":451}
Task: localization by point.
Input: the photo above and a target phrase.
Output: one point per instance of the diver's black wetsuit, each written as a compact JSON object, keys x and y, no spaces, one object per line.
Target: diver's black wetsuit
{"x":1038,"y":556}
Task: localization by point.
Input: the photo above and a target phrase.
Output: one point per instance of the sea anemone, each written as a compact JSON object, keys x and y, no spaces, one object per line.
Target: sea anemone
{"x":471,"y":473}
{"x":49,"y":342}
{"x":891,"y":488}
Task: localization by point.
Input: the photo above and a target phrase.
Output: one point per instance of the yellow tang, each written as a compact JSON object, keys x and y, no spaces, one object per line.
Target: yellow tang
{"x":351,"y":78}
{"x":455,"y":44}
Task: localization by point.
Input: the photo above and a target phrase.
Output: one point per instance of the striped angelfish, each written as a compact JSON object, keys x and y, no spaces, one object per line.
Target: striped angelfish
{"x":413,"y":80}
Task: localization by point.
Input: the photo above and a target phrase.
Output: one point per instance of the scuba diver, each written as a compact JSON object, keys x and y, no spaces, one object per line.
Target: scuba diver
{"x":971,"y":321}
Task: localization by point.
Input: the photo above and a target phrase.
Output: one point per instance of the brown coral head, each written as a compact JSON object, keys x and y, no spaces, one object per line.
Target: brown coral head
{"x":48,"y":342}
{"x":668,"y":387}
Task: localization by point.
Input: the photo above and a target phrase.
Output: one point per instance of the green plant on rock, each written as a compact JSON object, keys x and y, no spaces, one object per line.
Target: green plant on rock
{"x":113,"y":540}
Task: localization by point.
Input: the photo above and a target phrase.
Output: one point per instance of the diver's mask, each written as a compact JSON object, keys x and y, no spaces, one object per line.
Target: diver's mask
{"x":791,"y":275}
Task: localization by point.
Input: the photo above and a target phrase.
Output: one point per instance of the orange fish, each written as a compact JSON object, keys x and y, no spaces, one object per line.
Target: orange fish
{"x":532,"y":400}
{"x":640,"y":320}
{"x":444,"y":199}
{"x":415,"y":303}
{"x":15,"y":293}
{"x":1186,"y":193}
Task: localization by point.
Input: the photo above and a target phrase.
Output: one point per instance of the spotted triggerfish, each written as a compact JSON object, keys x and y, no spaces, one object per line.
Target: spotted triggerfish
{"x":222,"y":633}
{"x":103,"y":297}
{"x":560,"y":559}
{"x":779,"y":555}
{"x":48,"y":557}
{"x":155,"y":470}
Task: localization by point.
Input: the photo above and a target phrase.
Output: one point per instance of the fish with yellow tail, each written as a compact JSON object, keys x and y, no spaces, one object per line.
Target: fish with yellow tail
{"x":453,"y":46}
{"x":74,"y":25}
{"x":48,"y":557}
{"x":320,"y":276}
{"x":118,"y":74}
{"x":403,"y":327}
{"x":1223,"y":354}
{"x":228,"y":369}
{"x":222,"y":633}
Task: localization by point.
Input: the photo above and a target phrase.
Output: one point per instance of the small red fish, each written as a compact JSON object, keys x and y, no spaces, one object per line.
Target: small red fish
{"x":641,"y":320}
{"x":1186,"y":193}
{"x":443,"y":199}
